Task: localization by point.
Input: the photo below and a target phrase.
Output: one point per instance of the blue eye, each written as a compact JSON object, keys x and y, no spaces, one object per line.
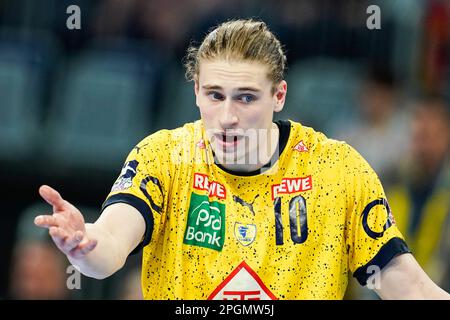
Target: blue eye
{"x":247,"y":98}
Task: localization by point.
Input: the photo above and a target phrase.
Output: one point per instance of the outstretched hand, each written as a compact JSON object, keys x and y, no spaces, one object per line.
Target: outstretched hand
{"x":66,"y":225}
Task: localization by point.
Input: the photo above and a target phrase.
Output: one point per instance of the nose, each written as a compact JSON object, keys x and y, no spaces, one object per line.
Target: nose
{"x":228,"y":117}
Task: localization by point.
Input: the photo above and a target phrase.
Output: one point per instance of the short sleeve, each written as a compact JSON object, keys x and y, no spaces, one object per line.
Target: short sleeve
{"x":372,"y":236}
{"x":141,"y":183}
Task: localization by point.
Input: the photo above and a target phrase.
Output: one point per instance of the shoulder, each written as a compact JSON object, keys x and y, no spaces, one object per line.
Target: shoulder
{"x":325,"y":152}
{"x":317,"y":142}
{"x":164,"y":140}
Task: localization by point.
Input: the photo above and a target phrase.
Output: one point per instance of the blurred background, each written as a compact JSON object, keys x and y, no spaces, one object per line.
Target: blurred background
{"x":73,"y":103}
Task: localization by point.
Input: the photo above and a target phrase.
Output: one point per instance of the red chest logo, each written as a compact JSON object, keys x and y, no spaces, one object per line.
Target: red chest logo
{"x":242,"y":284}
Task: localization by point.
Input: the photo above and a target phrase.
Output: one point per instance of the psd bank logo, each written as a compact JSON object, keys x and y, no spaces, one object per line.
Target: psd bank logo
{"x":205,"y":223}
{"x":125,"y":180}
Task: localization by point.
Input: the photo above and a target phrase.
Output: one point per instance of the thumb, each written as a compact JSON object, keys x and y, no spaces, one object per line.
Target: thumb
{"x":52,"y":197}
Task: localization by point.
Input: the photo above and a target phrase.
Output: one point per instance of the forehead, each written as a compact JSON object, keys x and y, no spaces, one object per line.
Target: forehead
{"x":233,"y":73}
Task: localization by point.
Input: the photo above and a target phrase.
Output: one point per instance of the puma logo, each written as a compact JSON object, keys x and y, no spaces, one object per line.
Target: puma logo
{"x":245,"y":203}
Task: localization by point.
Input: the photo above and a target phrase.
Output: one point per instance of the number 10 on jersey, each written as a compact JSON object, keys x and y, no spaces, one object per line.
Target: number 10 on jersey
{"x":298,"y":223}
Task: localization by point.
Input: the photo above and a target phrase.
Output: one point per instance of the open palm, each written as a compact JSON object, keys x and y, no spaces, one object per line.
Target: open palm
{"x":66,"y":225}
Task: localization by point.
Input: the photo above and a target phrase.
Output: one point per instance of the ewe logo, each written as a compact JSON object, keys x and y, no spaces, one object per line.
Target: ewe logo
{"x":206,"y":223}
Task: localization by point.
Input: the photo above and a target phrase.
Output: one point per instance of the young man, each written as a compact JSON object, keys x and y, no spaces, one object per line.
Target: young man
{"x":236,"y":206}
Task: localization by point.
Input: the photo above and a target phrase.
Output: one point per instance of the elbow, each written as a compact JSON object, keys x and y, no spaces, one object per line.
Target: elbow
{"x":99,"y":274}
{"x":100,"y":271}
{"x":106,"y":273}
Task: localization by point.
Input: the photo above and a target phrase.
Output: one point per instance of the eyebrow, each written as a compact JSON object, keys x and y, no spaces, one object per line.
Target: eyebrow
{"x":213,"y":87}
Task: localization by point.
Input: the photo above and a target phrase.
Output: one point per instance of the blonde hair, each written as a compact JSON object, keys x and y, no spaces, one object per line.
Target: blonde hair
{"x":241,"y":40}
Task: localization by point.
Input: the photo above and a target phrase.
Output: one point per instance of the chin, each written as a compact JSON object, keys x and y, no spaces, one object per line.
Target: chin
{"x":230,"y":158}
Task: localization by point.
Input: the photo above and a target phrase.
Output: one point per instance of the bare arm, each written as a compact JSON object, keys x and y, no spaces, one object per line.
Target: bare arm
{"x":403,"y":278}
{"x":99,"y":249}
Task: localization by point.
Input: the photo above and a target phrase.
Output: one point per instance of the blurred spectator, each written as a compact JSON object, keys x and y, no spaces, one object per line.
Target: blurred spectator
{"x":420,"y":196}
{"x":420,"y":201}
{"x":38,"y":270}
{"x":381,"y":133}
{"x":436,"y":45}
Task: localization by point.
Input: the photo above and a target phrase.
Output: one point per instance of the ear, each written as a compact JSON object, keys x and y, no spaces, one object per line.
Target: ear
{"x":280,"y":96}
{"x":196,"y":91}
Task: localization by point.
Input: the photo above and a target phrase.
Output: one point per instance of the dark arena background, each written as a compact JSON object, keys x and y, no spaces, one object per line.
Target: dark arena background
{"x":81,"y":82}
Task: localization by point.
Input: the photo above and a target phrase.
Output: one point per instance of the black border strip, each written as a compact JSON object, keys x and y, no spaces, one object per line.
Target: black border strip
{"x":142,"y":207}
{"x":390,"y":250}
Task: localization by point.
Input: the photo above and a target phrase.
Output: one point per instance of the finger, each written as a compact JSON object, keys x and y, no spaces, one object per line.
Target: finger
{"x":58,"y":234}
{"x":73,"y":242}
{"x":46,"y":221}
{"x":59,"y":237}
{"x":52,"y":197}
{"x":84,"y":249}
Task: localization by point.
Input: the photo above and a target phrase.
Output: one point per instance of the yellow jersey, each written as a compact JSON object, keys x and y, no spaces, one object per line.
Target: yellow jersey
{"x":292,"y":230}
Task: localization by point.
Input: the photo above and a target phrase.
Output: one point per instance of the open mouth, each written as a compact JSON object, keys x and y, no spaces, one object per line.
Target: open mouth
{"x":227,"y":141}
{"x":226,"y":138}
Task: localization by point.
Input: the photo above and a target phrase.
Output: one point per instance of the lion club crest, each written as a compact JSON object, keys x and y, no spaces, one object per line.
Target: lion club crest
{"x":245,"y":233}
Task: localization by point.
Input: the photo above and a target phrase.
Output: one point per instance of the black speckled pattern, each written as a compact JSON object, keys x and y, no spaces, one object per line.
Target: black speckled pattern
{"x":336,"y":243}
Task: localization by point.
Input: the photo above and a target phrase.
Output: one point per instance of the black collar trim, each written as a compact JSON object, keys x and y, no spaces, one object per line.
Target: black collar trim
{"x":284,"y":127}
